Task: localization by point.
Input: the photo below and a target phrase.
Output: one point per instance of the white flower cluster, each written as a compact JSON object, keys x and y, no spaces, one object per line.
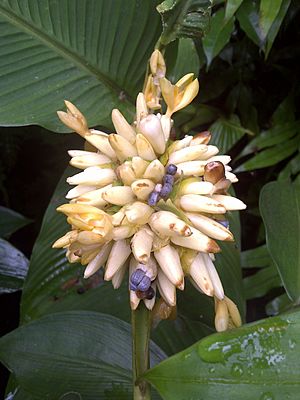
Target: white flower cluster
{"x":149,"y":205}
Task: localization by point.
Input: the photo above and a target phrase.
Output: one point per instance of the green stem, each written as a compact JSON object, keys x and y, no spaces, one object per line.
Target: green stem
{"x":141,"y":323}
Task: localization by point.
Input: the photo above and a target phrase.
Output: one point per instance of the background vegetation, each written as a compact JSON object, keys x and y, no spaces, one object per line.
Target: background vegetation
{"x":94,"y":53}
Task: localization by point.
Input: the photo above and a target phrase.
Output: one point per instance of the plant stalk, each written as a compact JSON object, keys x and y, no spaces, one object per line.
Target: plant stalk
{"x":141,"y":324}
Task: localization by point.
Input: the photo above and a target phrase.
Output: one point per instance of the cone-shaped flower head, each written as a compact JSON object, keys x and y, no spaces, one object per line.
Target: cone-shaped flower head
{"x":146,"y":205}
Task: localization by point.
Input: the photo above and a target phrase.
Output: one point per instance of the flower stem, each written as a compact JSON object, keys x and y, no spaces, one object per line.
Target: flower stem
{"x":141,"y":322}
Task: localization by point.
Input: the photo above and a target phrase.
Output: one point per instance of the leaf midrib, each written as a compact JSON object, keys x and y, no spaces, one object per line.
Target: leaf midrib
{"x":62,"y":50}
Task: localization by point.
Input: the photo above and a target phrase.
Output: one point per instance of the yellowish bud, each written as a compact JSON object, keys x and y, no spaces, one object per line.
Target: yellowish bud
{"x":122,"y":147}
{"x":157,"y":64}
{"x":144,"y":148}
{"x":122,"y":127}
{"x":73,"y":119}
{"x":141,"y":107}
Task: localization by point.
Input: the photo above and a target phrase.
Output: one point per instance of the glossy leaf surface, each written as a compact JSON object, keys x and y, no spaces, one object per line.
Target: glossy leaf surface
{"x":256,"y":361}
{"x":280,"y":210}
{"x":13,"y":268}
{"x":91,"y":52}
{"x":92,"y":356}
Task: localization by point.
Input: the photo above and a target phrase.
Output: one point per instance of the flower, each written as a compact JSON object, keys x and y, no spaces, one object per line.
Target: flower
{"x":150,"y":206}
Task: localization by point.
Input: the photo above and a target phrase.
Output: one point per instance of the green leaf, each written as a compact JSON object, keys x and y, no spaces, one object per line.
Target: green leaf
{"x":82,"y":352}
{"x":218,"y":36}
{"x":229,"y":270}
{"x":278,"y":134}
{"x":279,"y":305}
{"x":13,"y":268}
{"x":175,"y":336}
{"x":91,"y":52}
{"x":186,"y":51}
{"x":183,"y":18}
{"x":248,"y":18}
{"x":262,"y":282}
{"x":280,"y":209}
{"x":258,"y":257}
{"x":268,"y":12}
{"x":231,"y":7}
{"x":276,"y":25}
{"x":292,"y":168}
{"x":271,"y":156}
{"x":256,"y":361}
{"x":227,"y":132}
{"x":204,"y":115}
{"x":54,"y":285}
{"x":11,"y":221}
{"x":285,"y":112}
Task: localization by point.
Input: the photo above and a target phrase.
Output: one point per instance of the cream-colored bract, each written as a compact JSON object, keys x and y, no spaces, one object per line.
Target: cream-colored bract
{"x":112,"y":224}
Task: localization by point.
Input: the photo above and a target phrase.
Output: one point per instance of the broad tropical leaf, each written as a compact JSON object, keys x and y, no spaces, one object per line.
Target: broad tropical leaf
{"x":82,"y":352}
{"x":256,"y":361}
{"x":13,"y":268}
{"x":91,"y":52}
{"x":280,"y":210}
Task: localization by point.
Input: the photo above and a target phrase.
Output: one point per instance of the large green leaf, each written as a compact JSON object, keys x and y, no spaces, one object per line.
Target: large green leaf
{"x":268,"y":12}
{"x":82,"y":352}
{"x":92,"y":52}
{"x":183,"y":18}
{"x":11,"y":221}
{"x":218,"y":35}
{"x":13,"y":268}
{"x":256,"y":361}
{"x":280,"y":210}
{"x":261,"y":282}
